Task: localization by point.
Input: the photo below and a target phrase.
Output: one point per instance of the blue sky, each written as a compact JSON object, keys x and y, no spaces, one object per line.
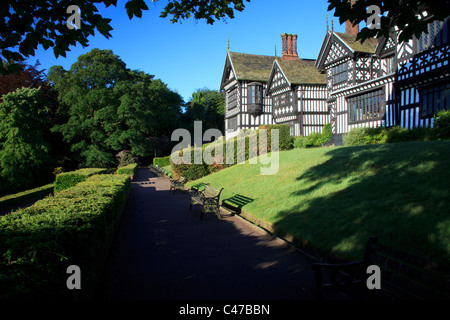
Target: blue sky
{"x":190,"y":55}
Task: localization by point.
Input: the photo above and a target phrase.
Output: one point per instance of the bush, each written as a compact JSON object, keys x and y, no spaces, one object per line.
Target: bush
{"x":381,"y":135}
{"x":69,"y":179}
{"x":73,"y":227}
{"x":398,"y":134}
{"x":128,"y":169}
{"x":286,"y":141}
{"x":315,"y":139}
{"x":299,"y":142}
{"x":125,"y":158}
{"x":161,"y":161}
{"x":365,"y":136}
{"x":442,"y":124}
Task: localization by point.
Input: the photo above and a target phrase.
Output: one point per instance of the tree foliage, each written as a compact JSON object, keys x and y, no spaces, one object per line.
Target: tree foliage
{"x":29,"y":24}
{"x":406,"y":15}
{"x":207,"y":106}
{"x":111,"y":108}
{"x":24,"y":156}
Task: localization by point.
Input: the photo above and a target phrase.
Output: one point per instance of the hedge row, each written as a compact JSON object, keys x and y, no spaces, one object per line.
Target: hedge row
{"x":128,"y":169}
{"x":67,"y":180}
{"x":72,"y":227}
{"x":193,"y":171}
{"x":161,"y":161}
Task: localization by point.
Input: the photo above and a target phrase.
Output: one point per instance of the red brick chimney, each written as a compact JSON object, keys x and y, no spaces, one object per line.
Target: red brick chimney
{"x":349,"y":28}
{"x":289,"y":47}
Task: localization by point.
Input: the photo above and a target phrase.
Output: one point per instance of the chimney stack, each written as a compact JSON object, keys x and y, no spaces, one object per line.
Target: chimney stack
{"x":289,"y":47}
{"x":349,"y":28}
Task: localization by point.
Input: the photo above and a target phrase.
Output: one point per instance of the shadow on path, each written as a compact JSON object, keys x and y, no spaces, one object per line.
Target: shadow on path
{"x":164,"y":251}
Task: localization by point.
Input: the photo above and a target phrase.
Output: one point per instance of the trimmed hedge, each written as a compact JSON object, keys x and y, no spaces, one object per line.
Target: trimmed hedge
{"x":72,"y":227}
{"x":67,"y":180}
{"x":128,"y":169}
{"x":161,"y":161}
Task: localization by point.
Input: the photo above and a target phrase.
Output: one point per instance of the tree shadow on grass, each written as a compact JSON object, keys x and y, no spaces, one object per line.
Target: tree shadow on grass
{"x":397,"y":192}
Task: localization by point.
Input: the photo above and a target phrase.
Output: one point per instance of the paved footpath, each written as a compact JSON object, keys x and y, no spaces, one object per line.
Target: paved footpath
{"x":164,"y":251}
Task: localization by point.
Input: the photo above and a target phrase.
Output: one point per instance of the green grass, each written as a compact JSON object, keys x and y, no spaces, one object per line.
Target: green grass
{"x":18,"y":198}
{"x":332,"y":199}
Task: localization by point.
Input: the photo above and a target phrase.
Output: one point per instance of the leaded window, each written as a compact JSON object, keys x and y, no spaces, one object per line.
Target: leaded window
{"x":438,"y":34}
{"x":434,"y":99}
{"x":232,"y":124}
{"x":255,"y":98}
{"x":367,"y":106}
{"x":340,"y":73}
{"x":232,"y":98}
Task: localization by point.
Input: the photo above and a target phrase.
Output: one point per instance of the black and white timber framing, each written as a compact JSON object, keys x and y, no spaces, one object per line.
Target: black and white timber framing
{"x":298,"y":93}
{"x":386,"y":83}
{"x":241,"y":70}
{"x":371,"y":84}
{"x":273,"y":90}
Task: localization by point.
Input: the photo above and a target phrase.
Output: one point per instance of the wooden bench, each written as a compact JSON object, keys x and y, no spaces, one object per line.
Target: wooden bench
{"x":177,"y":184}
{"x":208,"y":198}
{"x":403,"y":276}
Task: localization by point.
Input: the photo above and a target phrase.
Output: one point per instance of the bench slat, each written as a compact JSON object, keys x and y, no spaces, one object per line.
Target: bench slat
{"x":209,"y":199}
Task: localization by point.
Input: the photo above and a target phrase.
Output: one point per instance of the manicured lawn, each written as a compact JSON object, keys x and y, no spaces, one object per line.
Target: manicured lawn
{"x":17,"y":198}
{"x":333,"y":199}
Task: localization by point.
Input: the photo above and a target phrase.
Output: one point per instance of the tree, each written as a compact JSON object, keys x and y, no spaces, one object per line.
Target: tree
{"x":111,"y":108}
{"x":207,"y":106}
{"x":24,"y":158}
{"x":89,"y":101}
{"x":406,"y":15}
{"x":29,"y":24}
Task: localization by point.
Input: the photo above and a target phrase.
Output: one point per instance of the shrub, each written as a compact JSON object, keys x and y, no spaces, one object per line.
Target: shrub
{"x":73,"y":227}
{"x":315,"y":139}
{"x":442,"y":124}
{"x":398,"y":134}
{"x":286,"y":141}
{"x":125,"y":158}
{"x":128,"y":169}
{"x":299,"y":142}
{"x":161,"y":161}
{"x":69,"y":179}
{"x":365,"y":136}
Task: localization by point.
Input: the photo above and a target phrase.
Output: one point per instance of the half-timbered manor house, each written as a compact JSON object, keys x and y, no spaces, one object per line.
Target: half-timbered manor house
{"x":273,"y":90}
{"x":384,"y":82}
{"x":351,"y":84}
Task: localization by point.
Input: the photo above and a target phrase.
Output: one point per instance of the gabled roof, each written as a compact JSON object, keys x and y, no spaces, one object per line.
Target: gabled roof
{"x":368,"y":46}
{"x":300,"y":71}
{"x":348,"y":41}
{"x":251,"y":67}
